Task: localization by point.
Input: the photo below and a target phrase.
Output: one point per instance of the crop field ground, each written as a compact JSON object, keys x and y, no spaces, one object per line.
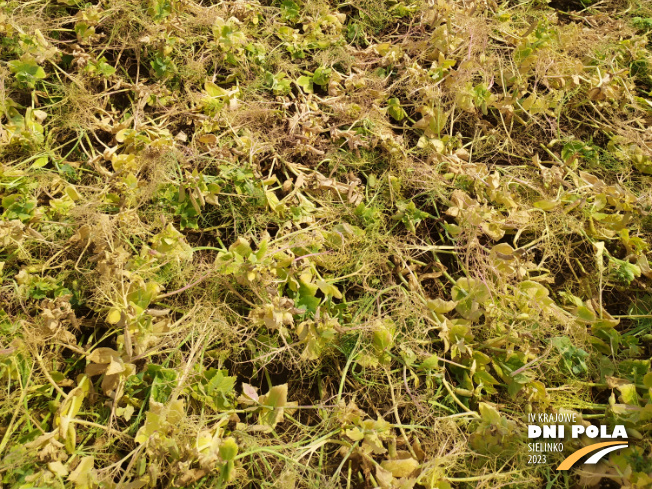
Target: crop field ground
{"x":320,"y":244}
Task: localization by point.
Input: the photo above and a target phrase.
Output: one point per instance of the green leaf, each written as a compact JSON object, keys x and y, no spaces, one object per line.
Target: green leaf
{"x":220,"y":387}
{"x":489,"y":414}
{"x":163,"y":383}
{"x":430,"y":363}
{"x":27,"y":71}
{"x":585,"y":314}
{"x":383,"y":337}
{"x":278,"y":83}
{"x":306,"y":83}
{"x":395,"y":110}
{"x":487,"y":380}
{"x":289,"y":10}
{"x":321,"y":76}
{"x":105,"y":68}
{"x":307,"y":299}
{"x":433,"y":124}
{"x":469,"y":294}
{"x":572,"y":357}
{"x":160,"y":9}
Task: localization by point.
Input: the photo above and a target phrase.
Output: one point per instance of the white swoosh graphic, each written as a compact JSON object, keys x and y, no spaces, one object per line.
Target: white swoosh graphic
{"x":595,"y":458}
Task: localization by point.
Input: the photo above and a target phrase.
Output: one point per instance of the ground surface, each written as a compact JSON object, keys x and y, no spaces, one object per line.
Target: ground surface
{"x":314,"y":244}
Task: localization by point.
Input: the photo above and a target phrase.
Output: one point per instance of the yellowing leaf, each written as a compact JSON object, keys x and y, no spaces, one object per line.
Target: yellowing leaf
{"x":127,"y":162}
{"x":382,"y":49}
{"x":121,"y":135}
{"x":175,"y":412}
{"x":68,"y":410}
{"x":628,"y":394}
{"x":81,"y":476}
{"x":58,"y":468}
{"x":400,"y":468}
{"x":214,"y":91}
{"x":152,"y":424}
{"x":40,"y":115}
{"x":250,"y":392}
{"x":125,"y":412}
{"x":329,"y":290}
{"x":383,"y":339}
{"x":40,"y":162}
{"x":114,"y":316}
{"x":545,"y":205}
{"x":440,"y":306}
{"x":208,"y":139}
{"x":115,"y":368}
{"x":384,"y":477}
{"x":273,"y":202}
{"x":585,"y":314}
{"x":647,"y":380}
{"x":72,"y":193}
{"x":493,"y":230}
{"x":228,"y":449}
{"x":103,"y":355}
{"x":354,"y":434}
{"x":274,"y":401}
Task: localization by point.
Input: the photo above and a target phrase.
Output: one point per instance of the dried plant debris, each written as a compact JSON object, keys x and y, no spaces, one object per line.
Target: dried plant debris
{"x":310,"y":244}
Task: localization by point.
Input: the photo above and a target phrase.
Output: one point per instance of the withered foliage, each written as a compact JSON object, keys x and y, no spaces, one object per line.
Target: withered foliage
{"x":302,"y":243}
